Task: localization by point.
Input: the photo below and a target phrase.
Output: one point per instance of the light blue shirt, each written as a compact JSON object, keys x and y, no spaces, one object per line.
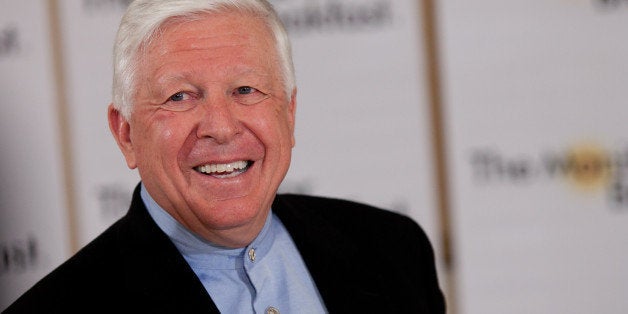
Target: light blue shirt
{"x":267,"y":274}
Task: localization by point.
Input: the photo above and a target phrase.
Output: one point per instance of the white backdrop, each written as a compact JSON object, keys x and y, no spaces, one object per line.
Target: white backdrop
{"x":103,"y":182}
{"x":362,"y":120}
{"x":536,"y":113}
{"x":33,"y":227}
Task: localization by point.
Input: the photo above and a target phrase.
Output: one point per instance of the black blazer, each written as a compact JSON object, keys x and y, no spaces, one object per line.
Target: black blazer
{"x":362,"y":259}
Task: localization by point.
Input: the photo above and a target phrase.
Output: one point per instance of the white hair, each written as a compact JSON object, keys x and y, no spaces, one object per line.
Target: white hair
{"x":143,"y":19}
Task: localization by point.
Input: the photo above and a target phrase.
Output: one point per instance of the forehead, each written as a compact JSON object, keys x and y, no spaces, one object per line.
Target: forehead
{"x":224,"y":25}
{"x":239,"y":39}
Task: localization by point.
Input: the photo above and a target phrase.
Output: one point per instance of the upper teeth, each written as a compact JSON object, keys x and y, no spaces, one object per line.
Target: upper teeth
{"x":222,"y":168}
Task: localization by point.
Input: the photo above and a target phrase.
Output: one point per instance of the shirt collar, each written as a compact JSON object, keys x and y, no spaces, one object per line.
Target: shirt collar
{"x":199,"y":251}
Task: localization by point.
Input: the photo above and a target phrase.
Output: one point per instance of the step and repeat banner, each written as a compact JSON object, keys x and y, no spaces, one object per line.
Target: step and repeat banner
{"x":536,"y":109}
{"x":363,"y":129}
{"x":534,"y":106}
{"x":362,"y":123}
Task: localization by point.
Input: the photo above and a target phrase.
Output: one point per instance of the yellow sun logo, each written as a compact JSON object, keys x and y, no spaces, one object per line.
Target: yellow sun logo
{"x":590,"y":167}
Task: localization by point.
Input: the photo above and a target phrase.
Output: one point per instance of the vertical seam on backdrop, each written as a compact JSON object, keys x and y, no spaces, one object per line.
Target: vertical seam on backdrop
{"x":63,"y":122}
{"x":434,"y":80}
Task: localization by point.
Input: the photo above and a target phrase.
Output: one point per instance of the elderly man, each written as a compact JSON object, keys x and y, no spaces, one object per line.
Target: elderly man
{"x":204,"y":107}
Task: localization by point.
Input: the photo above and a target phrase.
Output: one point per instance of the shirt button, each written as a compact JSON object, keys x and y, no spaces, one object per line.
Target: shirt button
{"x":252,"y":256}
{"x":272,"y":310}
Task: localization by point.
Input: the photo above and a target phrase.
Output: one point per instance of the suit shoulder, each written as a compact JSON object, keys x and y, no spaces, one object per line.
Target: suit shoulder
{"x":86,"y":274}
{"x":344,"y":213}
{"x":352,"y":230}
{"x":324,"y":205}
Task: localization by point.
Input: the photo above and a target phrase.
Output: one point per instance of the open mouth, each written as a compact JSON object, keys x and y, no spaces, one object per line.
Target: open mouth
{"x":227,"y":170}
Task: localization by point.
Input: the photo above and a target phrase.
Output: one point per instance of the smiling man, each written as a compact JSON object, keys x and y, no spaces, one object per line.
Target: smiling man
{"x":212,"y":124}
{"x":204,"y":108}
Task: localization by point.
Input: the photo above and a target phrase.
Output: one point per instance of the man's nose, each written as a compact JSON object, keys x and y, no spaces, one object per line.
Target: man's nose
{"x":217,"y":120}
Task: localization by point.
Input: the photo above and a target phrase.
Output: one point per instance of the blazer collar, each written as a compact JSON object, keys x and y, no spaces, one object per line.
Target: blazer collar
{"x":155,"y":270}
{"x":335,"y":263}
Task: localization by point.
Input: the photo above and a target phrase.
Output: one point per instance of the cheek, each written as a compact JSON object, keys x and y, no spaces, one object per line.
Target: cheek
{"x":276,"y":133}
{"x":160,"y":139}
{"x":285,"y":125}
{"x":166,"y":135}
{"x":271,"y":127}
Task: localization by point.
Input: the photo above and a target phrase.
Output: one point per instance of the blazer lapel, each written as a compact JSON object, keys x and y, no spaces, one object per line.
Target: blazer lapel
{"x":333,"y":261}
{"x":155,"y":271}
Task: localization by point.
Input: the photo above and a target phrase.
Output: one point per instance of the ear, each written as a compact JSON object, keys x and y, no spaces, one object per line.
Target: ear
{"x":121,"y":130}
{"x":292,"y":110}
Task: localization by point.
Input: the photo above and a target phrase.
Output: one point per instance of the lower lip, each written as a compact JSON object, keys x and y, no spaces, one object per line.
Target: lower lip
{"x":225,"y":187}
{"x":233,"y":174}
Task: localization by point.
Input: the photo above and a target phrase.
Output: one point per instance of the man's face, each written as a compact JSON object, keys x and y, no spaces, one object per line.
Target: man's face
{"x":212,"y":130}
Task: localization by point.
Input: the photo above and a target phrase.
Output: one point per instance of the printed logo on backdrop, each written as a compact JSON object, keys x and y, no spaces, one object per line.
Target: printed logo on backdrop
{"x":104,"y":6}
{"x":330,"y":16}
{"x":113,"y":200}
{"x":19,"y":255}
{"x":586,"y":168}
{"x":611,"y":4}
{"x":9,"y":40}
{"x":301,"y":16}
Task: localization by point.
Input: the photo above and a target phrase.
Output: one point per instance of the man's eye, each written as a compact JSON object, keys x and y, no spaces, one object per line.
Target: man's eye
{"x":177,"y":97}
{"x":248,"y":95}
{"x":180,"y":101}
{"x":244,"y":90}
